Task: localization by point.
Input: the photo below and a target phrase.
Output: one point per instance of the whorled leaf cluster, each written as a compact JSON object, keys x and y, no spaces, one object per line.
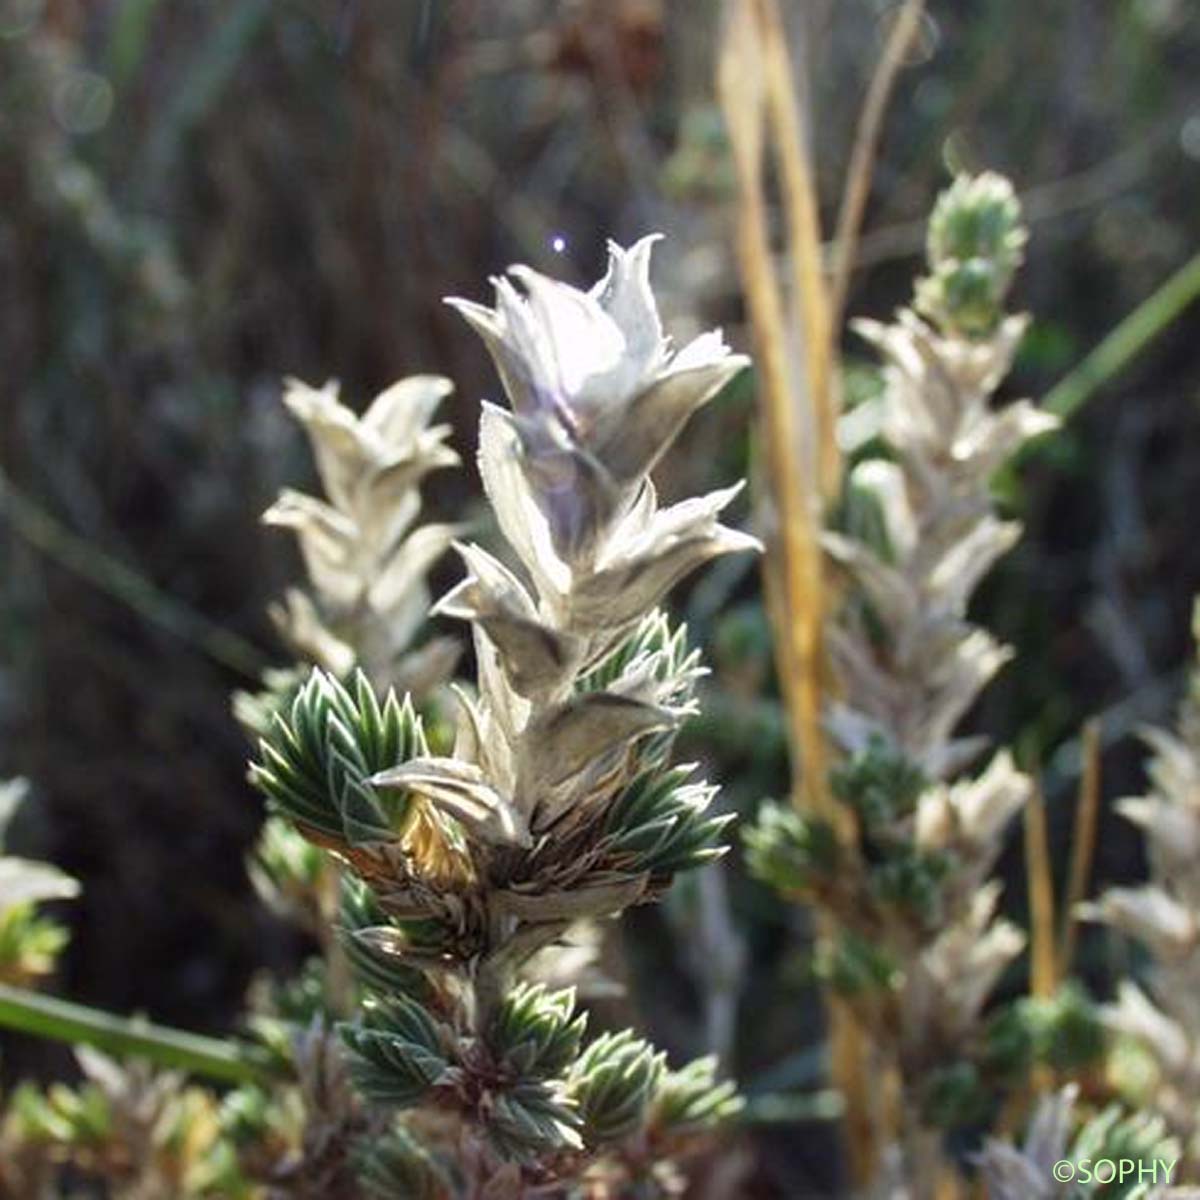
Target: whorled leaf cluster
{"x":559,"y":801}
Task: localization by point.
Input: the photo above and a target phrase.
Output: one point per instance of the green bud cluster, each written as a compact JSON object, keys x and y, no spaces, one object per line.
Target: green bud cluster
{"x":692,"y":1099}
{"x":398,"y":1052}
{"x":912,"y":882}
{"x":881,"y":785}
{"x":1063,"y":1032}
{"x":954,"y":1095}
{"x":531,"y":1119}
{"x":852,"y":965}
{"x":535,"y":1033}
{"x":661,"y":824}
{"x":975,"y":244}
{"x":796,"y":853}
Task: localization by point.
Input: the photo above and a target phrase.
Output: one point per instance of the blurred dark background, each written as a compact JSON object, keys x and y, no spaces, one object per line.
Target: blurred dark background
{"x":197,"y":198}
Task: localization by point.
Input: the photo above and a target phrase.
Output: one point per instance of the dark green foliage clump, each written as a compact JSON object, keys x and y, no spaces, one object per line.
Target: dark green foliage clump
{"x":789,"y":851}
{"x":880,"y":785}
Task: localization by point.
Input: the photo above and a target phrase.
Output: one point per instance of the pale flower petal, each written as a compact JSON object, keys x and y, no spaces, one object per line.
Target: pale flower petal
{"x":461,"y":791}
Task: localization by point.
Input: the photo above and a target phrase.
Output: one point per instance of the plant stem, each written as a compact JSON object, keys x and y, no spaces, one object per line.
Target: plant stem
{"x":1126,"y":341}
{"x":865,"y":151}
{"x":45,"y":1016}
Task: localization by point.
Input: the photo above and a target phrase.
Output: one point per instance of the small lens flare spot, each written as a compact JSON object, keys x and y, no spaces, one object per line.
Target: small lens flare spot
{"x":558,"y":243}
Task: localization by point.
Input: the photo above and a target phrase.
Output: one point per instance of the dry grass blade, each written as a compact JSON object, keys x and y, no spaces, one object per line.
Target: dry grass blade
{"x":809,"y":295}
{"x":1083,"y":842}
{"x":754,"y":49}
{"x":748,"y":95}
{"x":795,"y":563}
{"x":866,"y":145}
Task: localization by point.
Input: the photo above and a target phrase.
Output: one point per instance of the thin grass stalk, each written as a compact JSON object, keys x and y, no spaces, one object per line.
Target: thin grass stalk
{"x":865,"y":149}
{"x":794,"y":566}
{"x":1126,"y":341}
{"x":1083,"y":843}
{"x":815,"y":327}
{"x":1043,"y":944}
{"x":741,"y":100}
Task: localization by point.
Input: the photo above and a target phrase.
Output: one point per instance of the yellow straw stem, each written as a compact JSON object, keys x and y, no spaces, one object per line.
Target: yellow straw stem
{"x":753,"y":51}
{"x":809,"y":295}
{"x":1043,"y":951}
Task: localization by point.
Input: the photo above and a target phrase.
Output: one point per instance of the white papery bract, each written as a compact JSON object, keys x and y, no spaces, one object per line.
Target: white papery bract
{"x":597,"y":393}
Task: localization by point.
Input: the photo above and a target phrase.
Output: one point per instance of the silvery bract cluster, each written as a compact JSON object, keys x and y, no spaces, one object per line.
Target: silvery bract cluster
{"x":366,"y":562}
{"x":909,"y":660}
{"x":559,"y":801}
{"x":940,"y":534}
{"x":909,"y":889}
{"x":1164,"y":915}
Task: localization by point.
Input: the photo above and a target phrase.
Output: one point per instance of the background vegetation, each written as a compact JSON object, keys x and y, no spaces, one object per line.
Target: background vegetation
{"x":199,"y":198}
